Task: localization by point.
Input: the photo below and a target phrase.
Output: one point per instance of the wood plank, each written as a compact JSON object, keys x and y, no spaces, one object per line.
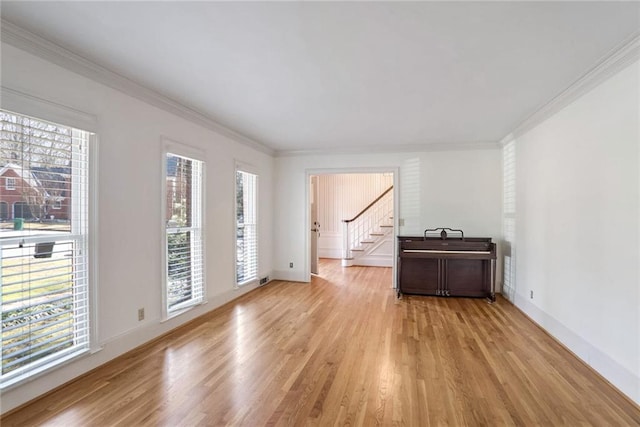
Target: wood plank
{"x":342,"y":350}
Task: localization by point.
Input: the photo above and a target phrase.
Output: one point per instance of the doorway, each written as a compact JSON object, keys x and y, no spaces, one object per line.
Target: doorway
{"x":336,"y":196}
{"x":315,"y":225}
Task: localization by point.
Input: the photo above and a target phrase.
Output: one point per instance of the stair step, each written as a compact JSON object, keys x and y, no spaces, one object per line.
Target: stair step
{"x":386,"y":226}
{"x":367,"y":241}
{"x":357,"y":250}
{"x":376,"y":234}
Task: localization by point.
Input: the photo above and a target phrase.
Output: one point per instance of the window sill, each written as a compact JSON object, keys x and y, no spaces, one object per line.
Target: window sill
{"x":43,"y":370}
{"x":182,"y":310}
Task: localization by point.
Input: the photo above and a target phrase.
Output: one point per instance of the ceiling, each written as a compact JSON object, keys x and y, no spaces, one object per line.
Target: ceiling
{"x":322,"y":76}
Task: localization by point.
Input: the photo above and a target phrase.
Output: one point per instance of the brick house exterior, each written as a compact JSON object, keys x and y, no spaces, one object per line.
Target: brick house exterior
{"x":178,"y":186}
{"x":36,"y":193}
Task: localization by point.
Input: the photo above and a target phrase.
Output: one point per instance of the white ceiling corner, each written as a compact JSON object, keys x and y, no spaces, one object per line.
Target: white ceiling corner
{"x":618,"y":58}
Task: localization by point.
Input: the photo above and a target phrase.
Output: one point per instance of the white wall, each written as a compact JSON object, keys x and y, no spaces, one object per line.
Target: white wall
{"x":578,"y":227}
{"x":460,"y":189}
{"x":129,"y":200}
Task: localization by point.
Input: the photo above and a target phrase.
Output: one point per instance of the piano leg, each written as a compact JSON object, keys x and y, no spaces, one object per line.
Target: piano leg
{"x":492,"y":295}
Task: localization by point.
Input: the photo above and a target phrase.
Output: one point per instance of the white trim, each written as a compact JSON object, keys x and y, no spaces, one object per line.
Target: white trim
{"x":9,"y":186}
{"x":36,"y":45}
{"x":330,"y":253}
{"x":171,"y":145}
{"x":290,"y":276}
{"x":414,"y":148}
{"x":83,"y":237}
{"x":43,"y":109}
{"x":93,"y":242}
{"x":621,"y":377}
{"x":246,"y":167}
{"x":179,"y":149}
{"x":615,"y":60}
{"x":163,"y":230}
{"x":250,"y":169}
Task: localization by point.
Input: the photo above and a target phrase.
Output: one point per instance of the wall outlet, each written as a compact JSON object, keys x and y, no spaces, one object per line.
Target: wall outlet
{"x":264,"y":280}
{"x":531,"y":294}
{"x":140,"y":314}
{"x":290,"y":265}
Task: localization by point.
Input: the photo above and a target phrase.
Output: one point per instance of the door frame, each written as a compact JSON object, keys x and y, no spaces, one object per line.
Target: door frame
{"x":334,"y":171}
{"x":314,"y":234}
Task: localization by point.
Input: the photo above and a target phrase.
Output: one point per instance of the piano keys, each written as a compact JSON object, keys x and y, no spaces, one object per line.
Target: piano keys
{"x":445,"y":265}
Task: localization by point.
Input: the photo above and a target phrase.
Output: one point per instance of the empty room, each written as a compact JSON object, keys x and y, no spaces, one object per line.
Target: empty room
{"x":320,"y":213}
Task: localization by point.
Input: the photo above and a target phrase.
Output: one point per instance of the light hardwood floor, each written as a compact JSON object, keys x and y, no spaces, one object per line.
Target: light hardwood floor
{"x":342,"y":351}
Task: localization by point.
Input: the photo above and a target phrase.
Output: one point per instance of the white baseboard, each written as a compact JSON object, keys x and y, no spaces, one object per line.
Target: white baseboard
{"x":620,"y":377}
{"x":331,"y":253}
{"x":290,"y":276}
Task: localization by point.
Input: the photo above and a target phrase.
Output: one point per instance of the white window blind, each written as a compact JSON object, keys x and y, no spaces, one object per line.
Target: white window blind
{"x":509,"y":178}
{"x":184,"y":243}
{"x":509,"y":217}
{"x":246,"y":227}
{"x":44,"y":278}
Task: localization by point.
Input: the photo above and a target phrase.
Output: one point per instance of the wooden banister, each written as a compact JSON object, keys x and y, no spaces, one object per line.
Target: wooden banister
{"x":369,"y":205}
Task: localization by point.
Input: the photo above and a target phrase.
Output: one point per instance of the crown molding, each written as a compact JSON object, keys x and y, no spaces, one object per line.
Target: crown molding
{"x":45,"y":49}
{"x":617,"y":59}
{"x":412,"y":148}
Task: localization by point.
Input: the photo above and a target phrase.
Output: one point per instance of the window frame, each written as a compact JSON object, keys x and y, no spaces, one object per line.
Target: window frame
{"x":181,"y":150}
{"x":82,"y":234}
{"x":509,"y":210}
{"x":249,"y":169}
{"x":7,"y":180}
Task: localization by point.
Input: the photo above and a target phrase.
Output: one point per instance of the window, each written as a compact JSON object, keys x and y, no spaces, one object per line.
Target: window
{"x":10,"y":183}
{"x":57,"y":204}
{"x":44,"y":265}
{"x":509,"y":218}
{"x":246,"y":227}
{"x":184,"y":278}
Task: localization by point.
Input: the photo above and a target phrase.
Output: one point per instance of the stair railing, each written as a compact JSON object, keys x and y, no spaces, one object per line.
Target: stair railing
{"x":369,"y":220}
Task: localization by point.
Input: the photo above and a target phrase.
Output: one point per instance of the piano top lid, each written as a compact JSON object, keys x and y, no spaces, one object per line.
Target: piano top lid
{"x":471,"y":247}
{"x":448,"y":239}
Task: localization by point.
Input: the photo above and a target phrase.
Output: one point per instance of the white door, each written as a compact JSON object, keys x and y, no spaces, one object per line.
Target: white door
{"x":315,"y":226}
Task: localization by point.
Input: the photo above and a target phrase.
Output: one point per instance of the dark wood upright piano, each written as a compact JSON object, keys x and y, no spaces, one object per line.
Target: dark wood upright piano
{"x":443,"y":262}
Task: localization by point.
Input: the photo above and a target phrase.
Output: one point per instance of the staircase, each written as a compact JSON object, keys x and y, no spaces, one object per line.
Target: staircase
{"x":368,"y":236}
